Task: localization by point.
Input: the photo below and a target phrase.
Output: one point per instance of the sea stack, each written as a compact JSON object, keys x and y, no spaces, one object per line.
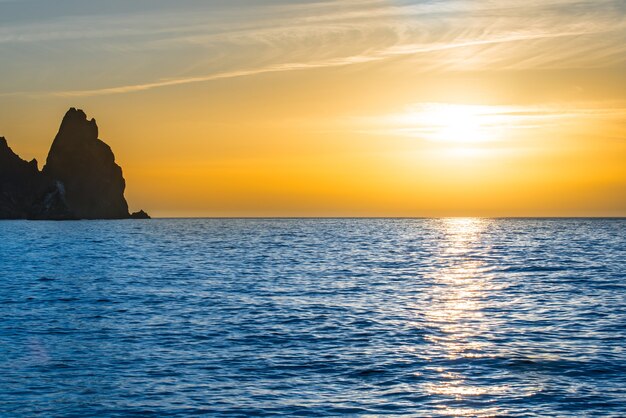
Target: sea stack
{"x":85,"y":165}
{"x":79,"y":181}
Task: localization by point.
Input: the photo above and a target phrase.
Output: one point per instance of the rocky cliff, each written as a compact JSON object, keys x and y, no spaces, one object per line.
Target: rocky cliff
{"x":79,"y":181}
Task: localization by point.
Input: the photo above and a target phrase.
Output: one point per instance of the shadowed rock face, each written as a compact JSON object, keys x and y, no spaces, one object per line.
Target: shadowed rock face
{"x":94,"y":186}
{"x":25,"y":193}
{"x":18,"y":179}
{"x":80,"y":180}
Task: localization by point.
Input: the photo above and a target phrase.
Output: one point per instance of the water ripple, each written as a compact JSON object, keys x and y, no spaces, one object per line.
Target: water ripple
{"x":424,"y":317}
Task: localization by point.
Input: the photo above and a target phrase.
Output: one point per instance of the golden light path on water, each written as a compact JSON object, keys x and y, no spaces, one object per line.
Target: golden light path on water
{"x":462,"y":287}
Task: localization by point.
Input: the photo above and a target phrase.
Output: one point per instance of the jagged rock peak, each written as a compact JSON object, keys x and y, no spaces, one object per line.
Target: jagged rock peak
{"x":7,"y":155}
{"x":75,"y":121}
{"x":80,"y":179}
{"x":85,"y":165}
{"x":4,"y":145}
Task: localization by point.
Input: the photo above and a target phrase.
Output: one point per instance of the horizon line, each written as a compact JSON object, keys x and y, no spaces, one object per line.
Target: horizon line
{"x":622,"y":217}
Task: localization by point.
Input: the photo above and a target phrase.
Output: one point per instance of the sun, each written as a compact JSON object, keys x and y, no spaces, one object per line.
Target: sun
{"x":454,"y":123}
{"x":451,"y":123}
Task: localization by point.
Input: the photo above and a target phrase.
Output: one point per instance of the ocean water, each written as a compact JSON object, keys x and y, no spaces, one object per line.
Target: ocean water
{"x":313,"y":317}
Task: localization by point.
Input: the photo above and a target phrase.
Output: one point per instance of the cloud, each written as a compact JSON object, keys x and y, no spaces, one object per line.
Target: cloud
{"x":269,"y":37}
{"x":297,"y":66}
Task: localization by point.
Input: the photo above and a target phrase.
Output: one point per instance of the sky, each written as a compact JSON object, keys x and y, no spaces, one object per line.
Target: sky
{"x":332,"y":108}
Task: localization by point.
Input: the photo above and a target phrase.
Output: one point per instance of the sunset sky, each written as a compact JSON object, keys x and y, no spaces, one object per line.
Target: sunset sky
{"x":332,"y":108}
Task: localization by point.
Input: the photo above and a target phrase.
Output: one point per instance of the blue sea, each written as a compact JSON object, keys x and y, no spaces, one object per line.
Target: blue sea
{"x":313,"y":317}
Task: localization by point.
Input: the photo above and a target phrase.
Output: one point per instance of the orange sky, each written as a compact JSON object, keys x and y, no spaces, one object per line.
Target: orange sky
{"x":336,"y":108}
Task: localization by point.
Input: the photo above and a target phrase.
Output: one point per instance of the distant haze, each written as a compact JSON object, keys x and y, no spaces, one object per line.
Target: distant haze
{"x":332,"y":108}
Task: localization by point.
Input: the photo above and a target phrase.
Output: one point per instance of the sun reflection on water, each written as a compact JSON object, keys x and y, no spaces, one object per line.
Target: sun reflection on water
{"x":456,"y":311}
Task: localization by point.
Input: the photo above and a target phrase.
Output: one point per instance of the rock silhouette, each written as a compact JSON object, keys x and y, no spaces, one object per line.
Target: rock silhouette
{"x":139,"y":215}
{"x":18,"y":180}
{"x":79,"y":181}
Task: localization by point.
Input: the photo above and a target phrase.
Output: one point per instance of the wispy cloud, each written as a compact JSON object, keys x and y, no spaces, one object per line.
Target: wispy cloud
{"x":267,"y":38}
{"x":297,"y":66}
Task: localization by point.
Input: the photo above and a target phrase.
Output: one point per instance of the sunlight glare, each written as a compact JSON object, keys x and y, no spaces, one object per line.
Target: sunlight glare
{"x":444,"y":122}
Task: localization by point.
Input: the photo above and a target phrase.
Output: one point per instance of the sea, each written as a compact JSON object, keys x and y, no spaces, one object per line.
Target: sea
{"x":459,"y":317}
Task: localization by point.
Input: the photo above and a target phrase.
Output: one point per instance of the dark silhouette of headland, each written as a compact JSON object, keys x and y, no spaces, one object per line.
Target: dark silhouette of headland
{"x":79,"y":181}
